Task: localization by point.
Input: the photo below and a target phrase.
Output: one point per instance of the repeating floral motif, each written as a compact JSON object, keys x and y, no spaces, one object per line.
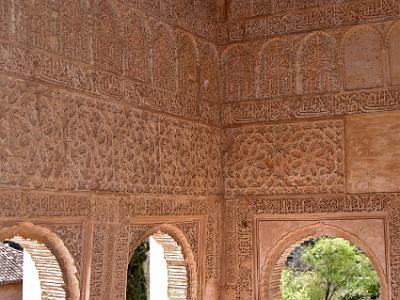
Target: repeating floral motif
{"x":72,"y":235}
{"x":111,"y":110}
{"x":92,"y":145}
{"x":285,"y":159}
{"x":60,"y":27}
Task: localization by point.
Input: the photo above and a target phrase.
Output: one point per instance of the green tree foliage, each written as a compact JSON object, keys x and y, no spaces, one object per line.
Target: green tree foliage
{"x":136,"y":288}
{"x":330,"y":269}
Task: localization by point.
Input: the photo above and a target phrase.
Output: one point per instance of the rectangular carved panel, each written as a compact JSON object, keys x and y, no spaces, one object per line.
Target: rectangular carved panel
{"x":54,"y":139}
{"x":285,"y":159}
{"x":373,"y":149}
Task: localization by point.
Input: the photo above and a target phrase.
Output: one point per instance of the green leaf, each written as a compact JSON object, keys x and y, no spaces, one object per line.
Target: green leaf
{"x":136,"y":288}
{"x":330,"y":268}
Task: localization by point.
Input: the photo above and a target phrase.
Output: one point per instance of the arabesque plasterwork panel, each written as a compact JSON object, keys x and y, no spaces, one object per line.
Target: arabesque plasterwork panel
{"x":206,"y":114}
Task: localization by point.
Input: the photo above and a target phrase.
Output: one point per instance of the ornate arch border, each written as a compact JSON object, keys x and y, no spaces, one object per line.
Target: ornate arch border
{"x":56,"y":246}
{"x":180,"y":238}
{"x":309,"y":232}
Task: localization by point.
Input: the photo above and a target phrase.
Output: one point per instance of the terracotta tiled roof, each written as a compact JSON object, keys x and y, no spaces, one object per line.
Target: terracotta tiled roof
{"x":11,"y":262}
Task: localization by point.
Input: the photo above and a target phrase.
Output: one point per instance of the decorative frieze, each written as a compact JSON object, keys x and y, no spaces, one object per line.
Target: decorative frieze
{"x":311,"y":106}
{"x":290,"y":17}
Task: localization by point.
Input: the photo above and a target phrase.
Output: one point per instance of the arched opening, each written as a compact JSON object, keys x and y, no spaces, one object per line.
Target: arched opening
{"x":326,"y":268}
{"x":45,"y":266}
{"x":161,"y":267}
{"x":277,"y":258}
{"x":36,"y":270}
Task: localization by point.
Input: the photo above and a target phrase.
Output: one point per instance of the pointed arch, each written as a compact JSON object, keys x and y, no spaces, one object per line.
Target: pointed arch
{"x":309,"y":232}
{"x":57,"y":248}
{"x":179,"y":237}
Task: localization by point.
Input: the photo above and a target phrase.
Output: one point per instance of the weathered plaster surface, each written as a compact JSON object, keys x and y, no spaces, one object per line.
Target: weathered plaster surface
{"x":373,"y":153}
{"x":117,"y":117}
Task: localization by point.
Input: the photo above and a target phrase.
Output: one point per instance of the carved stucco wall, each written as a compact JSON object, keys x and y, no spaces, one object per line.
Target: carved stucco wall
{"x":311,"y":125}
{"x":116,"y":116}
{"x":109,"y":110}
